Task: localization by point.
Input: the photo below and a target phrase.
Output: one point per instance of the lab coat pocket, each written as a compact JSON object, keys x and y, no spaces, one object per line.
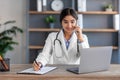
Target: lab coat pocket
{"x":59,"y":60}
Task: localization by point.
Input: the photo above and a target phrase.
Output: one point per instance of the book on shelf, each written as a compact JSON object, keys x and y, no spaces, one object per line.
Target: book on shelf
{"x":116,"y":20}
{"x":81,"y":5}
{"x":39,"y":5}
{"x":44,"y":5}
{"x":73,"y":4}
{"x":80,"y":21}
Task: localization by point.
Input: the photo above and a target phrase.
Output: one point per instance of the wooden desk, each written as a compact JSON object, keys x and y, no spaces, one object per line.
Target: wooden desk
{"x":60,"y":74}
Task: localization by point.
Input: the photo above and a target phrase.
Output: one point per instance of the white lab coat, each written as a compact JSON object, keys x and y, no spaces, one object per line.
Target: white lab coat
{"x":58,"y":54}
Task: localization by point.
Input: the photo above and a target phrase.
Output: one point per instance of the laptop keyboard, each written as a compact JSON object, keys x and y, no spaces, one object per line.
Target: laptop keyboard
{"x":75,"y":69}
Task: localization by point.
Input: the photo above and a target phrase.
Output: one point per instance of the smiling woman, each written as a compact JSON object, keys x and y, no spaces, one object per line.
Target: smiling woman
{"x":63,"y":47}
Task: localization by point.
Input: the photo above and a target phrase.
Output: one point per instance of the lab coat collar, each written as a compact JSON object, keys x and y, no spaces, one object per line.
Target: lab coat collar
{"x":73,"y":40}
{"x":61,"y":38}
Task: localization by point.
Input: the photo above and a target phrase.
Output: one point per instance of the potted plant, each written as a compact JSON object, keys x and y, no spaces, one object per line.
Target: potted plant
{"x":50,"y":20}
{"x":6,"y":37}
{"x":108,"y":7}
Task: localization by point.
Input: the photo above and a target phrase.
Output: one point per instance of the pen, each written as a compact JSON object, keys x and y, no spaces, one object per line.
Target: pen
{"x":36,"y":62}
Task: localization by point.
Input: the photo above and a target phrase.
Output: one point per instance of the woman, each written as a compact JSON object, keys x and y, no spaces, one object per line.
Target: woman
{"x":63,"y":47}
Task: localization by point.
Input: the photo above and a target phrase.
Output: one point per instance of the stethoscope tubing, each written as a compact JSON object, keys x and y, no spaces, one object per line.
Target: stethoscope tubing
{"x":56,"y":39}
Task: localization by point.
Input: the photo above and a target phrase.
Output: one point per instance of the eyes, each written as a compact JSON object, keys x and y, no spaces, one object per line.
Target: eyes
{"x":67,"y":21}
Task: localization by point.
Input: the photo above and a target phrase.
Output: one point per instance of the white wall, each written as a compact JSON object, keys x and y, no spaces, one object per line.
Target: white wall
{"x":15,"y":10}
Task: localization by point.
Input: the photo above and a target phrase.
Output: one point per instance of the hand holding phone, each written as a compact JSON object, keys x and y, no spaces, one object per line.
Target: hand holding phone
{"x":77,"y":29}
{"x":78,"y":32}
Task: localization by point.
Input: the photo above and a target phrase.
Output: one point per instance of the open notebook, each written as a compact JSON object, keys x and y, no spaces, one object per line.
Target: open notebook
{"x":43,"y":70}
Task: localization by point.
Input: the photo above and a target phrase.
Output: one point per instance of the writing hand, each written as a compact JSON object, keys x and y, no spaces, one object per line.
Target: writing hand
{"x":36,"y":65}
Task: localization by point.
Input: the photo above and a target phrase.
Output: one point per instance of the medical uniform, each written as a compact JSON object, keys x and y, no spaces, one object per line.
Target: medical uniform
{"x":56,"y":51}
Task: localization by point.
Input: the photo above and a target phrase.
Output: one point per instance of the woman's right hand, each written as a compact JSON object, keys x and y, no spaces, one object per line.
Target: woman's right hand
{"x":36,"y":66}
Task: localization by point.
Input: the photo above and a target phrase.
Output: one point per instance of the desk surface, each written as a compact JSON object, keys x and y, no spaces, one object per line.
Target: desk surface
{"x":60,"y":74}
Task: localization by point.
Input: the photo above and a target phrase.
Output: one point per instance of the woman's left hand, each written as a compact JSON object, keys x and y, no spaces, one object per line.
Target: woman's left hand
{"x":78,"y":32}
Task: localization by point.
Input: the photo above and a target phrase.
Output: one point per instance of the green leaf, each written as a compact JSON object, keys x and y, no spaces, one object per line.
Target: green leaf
{"x":6,"y":40}
{"x":50,"y":19}
{"x":8,"y":22}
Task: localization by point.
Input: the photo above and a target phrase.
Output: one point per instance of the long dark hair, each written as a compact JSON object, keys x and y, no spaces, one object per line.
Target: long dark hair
{"x":68,"y":11}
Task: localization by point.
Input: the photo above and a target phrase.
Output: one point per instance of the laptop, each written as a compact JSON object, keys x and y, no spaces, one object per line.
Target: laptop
{"x":93,"y":59}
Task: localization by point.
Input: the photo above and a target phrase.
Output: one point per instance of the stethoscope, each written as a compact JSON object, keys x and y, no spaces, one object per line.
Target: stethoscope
{"x":60,"y":43}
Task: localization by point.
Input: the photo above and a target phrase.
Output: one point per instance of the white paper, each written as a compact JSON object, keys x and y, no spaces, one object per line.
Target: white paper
{"x":41,"y":71}
{"x":39,"y":5}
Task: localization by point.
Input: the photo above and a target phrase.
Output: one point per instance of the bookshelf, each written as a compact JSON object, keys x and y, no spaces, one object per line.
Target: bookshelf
{"x":88,"y":12}
{"x":57,"y":29}
{"x":98,"y":26}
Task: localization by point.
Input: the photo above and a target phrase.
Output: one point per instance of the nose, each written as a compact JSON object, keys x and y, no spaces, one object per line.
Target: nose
{"x":69,"y":24}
